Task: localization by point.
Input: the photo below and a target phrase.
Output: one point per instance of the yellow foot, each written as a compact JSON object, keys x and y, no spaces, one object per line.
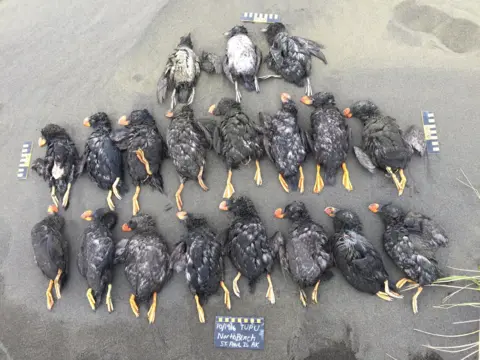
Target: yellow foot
{"x":49,"y":295}
{"x":346,"y":178}
{"x":110,"y":203}
{"x":301,"y":180}
{"x":319,"y":185}
{"x":141,"y":156}
{"x":303,"y":298}
{"x":115,"y":190}
{"x":400,"y":283}
{"x":383,"y":296}
{"x":226,"y":297}
{"x":414,"y":300}
{"x":91,"y":299}
{"x":391,"y":293}
{"x":200,"y":180}
{"x":283,"y":183}
{"x":258,"y":174}
{"x":201,"y":314}
{"x":54,"y":196}
{"x":229,"y":190}
{"x":235,"y":288}
{"x":153,"y":309}
{"x":315,"y":292}
{"x":134,"y":306}
{"x":135,"y":204}
{"x":403,"y":182}
{"x":270,"y":294}
{"x":178,"y":196}
{"x":66,"y":196}
{"x":395,"y":180}
{"x":57,"y":283}
{"x":108,"y":299}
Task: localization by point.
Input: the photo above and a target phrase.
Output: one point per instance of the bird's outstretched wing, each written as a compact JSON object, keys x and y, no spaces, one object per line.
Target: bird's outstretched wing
{"x":364,"y":159}
{"x":312,"y":47}
{"x":164,"y":82}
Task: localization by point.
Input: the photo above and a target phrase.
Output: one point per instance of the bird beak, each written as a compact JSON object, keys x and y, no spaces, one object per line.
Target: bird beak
{"x":87,"y":215}
{"x":347,"y":113}
{"x":123,"y":120}
{"x":307,"y":100}
{"x":330,"y":211}
{"x":264,"y":30}
{"x":41,"y":141}
{"x":374,"y":207}
{"x":223,"y":206}
{"x":126,"y":228}
{"x":52,"y":209}
{"x":227,"y":33}
{"x":211,"y":109}
{"x":86,"y":122}
{"x":285,"y":97}
{"x":169,"y":114}
{"x":182,"y":215}
{"x":279,"y":214}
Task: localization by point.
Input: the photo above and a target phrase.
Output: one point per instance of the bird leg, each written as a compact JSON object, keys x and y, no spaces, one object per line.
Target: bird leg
{"x":200,"y":180}
{"x":229,"y":190}
{"x":301,"y":180}
{"x":395,"y":180}
{"x":414,"y":300}
{"x":400,"y":283}
{"x":236,"y":290}
{"x":319,"y":185}
{"x":143,"y":160}
{"x":67,"y":195}
{"x":391,"y":293}
{"x":57,"y":283}
{"x":283,"y":183}
{"x":110,"y":203}
{"x":315,"y":292}
{"x":178,"y":196}
{"x":108,"y":299}
{"x":226,"y":297}
{"x":136,"y":205}
{"x":134,"y":306}
{"x":270,"y":294}
{"x":403,"y":182}
{"x":258,"y":174}
{"x":303,"y":298}
{"x":174,"y":93}
{"x":192,"y":95}
{"x":201,"y":314}
{"x":238,"y":96}
{"x":346,"y":178}
{"x":153,"y":309}
{"x":91,"y":299}
{"x":384,"y":296}
{"x":53,"y":196}
{"x":115,"y":190}
{"x":50,"y":301}
{"x":308,"y":88}
{"x":257,"y":88}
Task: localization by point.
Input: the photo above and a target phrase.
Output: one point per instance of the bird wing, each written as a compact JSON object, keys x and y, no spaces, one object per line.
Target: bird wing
{"x":226,"y":69}
{"x":265,"y":123}
{"x":207,"y":128}
{"x":312,"y":47}
{"x":178,"y":258}
{"x":258,"y":59}
{"x":121,"y":138}
{"x":415,"y":137}
{"x":217,"y":140}
{"x":120,"y":251}
{"x":165,"y":81}
{"x":435,"y":234}
{"x":364,"y":159}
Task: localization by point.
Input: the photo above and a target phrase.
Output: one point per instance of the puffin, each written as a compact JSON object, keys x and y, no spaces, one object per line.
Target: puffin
{"x":246,"y":243}
{"x":50,"y":250}
{"x":356,"y":258}
{"x":286,"y":144}
{"x":385,"y":146}
{"x":330,"y":139}
{"x":146,"y":259}
{"x":60,"y":165}
{"x":188,"y":141}
{"x":96,"y":256}
{"x":200,"y":255}
{"x":291,"y":56}
{"x":411,"y":240}
{"x":306,"y":254}
{"x":146,"y":149}
{"x":102,"y":159}
{"x":237,"y":139}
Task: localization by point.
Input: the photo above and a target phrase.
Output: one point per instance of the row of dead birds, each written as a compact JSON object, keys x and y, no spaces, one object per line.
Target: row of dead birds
{"x":306,"y":253}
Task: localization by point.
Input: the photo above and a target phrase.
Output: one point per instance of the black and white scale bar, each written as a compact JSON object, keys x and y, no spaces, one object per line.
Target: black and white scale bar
{"x":25,"y":158}
{"x":430,"y":131}
{"x":260,"y":17}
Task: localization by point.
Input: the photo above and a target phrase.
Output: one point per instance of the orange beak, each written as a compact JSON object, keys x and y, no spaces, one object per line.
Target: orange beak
{"x":182,"y":215}
{"x":126,"y":228}
{"x":52,"y":209}
{"x":347,"y":113}
{"x":307,"y":100}
{"x":279,"y":214}
{"x":41,"y":141}
{"x":374,"y":207}
{"x":86,"y":122}
{"x":211,"y":108}
{"x":285,"y":97}
{"x":223,"y":206}
{"x":87,"y":215}
{"x":169,"y":114}
{"x":123,"y":120}
{"x":330,"y":211}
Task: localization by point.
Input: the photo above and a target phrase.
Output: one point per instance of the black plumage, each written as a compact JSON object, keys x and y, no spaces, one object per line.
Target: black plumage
{"x":200,"y":255}
{"x":102,"y":159}
{"x":146,"y":149}
{"x":188,"y":141}
{"x":286,"y":144}
{"x":237,"y":139}
{"x":330,"y":139}
{"x":247,"y":245}
{"x":305,"y":255}
{"x":411,"y":240}
{"x":291,"y":56}
{"x":59,"y":167}
{"x":359,"y":262}
{"x":50,"y":251}
{"x":385,"y":146}
{"x":147,"y":261}
{"x":96,"y":256}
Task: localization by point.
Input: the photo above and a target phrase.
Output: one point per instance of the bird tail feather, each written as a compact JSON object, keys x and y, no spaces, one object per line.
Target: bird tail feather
{"x":156,"y":182}
{"x":249,"y":82}
{"x":292,"y":181}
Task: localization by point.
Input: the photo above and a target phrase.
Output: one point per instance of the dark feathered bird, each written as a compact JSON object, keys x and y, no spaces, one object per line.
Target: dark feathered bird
{"x":238,"y":140}
{"x":200,"y":255}
{"x":50,"y":251}
{"x":291,"y":56}
{"x":146,"y":150}
{"x":96,"y":256}
{"x":356,"y":258}
{"x":330,"y":139}
{"x":411,"y":240}
{"x":188,"y":141}
{"x":147,"y":261}
{"x":385,"y":146}
{"x":59,"y":167}
{"x":247,"y":245}
{"x":286,"y":144}
{"x":306,"y":254}
{"x":102,"y":159}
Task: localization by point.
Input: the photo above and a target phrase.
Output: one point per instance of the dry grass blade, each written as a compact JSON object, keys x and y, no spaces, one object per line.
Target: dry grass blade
{"x":468,"y":184}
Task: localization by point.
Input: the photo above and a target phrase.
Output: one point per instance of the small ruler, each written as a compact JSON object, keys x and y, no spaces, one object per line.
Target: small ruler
{"x":25,"y":159}
{"x":430,"y":131}
{"x":260,"y":17}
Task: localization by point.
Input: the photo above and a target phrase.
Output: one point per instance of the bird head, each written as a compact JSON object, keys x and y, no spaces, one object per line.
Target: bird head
{"x":137,"y":117}
{"x":344,"y":219}
{"x":223,"y":106}
{"x":98,"y":121}
{"x":288,"y":104}
{"x":139,"y":222}
{"x":319,"y":99}
{"x":240,"y":205}
{"x":104,"y":215}
{"x":49,"y":133}
{"x":180,"y":110}
{"x":236,"y":30}
{"x":363,"y":110}
{"x":272,"y":30}
{"x":388,"y":212}
{"x":294,"y":211}
{"x":186,"y":41}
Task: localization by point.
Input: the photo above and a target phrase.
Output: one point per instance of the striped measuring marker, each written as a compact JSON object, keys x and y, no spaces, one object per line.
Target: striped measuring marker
{"x":430,"y":130}
{"x":25,"y":159}
{"x":259,"y":17}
